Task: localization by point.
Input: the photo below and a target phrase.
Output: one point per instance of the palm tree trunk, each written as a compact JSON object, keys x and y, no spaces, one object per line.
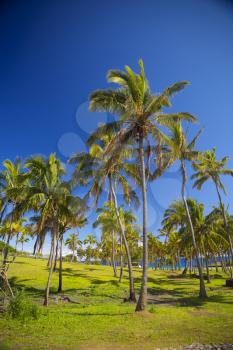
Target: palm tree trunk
{"x":60,"y":266}
{"x":216,"y":263}
{"x":121,"y":260}
{"x":3,"y":271}
{"x":132,"y":296}
{"x":16,"y":246}
{"x":113,"y":255}
{"x":53,"y":248}
{"x":6,"y":250}
{"x":226,"y":229}
{"x":72,"y":259}
{"x":142,"y":301}
{"x":179,"y":261}
{"x":185,"y":266}
{"x":112,"y":233}
{"x":50,"y":254}
{"x":56,"y":255}
{"x":223,"y":265}
{"x":207,"y":268}
{"x":202,"y":291}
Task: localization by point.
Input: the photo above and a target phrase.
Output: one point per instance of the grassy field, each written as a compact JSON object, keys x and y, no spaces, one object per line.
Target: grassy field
{"x":99,"y":319}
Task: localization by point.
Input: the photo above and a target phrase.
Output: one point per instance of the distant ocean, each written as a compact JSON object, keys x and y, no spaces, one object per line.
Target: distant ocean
{"x":169,"y":266}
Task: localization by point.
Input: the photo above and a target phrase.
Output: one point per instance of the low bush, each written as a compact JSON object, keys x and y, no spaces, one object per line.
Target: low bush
{"x":22,"y":308}
{"x":152,"y":309}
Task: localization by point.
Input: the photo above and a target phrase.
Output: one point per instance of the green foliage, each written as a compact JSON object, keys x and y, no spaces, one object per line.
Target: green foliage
{"x":21,"y":308}
{"x":3,"y":245}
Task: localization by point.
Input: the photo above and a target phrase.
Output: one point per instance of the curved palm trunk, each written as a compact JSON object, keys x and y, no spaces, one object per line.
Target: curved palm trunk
{"x":53,"y":248}
{"x":142,"y":301}
{"x":60,"y":266}
{"x":202,"y":291}
{"x":132,"y":296}
{"x":226,"y":229}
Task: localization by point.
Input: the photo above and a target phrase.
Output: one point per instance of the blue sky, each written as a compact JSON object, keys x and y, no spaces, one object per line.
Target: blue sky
{"x":54,"y":53}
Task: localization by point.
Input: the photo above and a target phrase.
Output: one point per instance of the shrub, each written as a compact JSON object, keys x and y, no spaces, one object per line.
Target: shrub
{"x":152,"y":309}
{"x":20,"y":307}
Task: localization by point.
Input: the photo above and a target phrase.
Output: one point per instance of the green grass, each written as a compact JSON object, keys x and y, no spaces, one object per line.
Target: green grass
{"x":98,"y":315}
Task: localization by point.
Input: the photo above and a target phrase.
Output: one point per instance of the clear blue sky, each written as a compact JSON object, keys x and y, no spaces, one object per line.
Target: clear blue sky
{"x":55,"y":52}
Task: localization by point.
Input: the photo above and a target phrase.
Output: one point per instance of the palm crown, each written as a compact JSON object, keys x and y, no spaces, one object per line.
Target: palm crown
{"x":208,"y":167}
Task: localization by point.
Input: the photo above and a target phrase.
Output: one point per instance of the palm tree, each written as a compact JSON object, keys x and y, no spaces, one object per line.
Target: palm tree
{"x":91,"y":242}
{"x":46,"y":195}
{"x":211,"y":237}
{"x":96,"y":169}
{"x":3,"y":233}
{"x":12,"y":186}
{"x":107,"y":219}
{"x":155,"y":249}
{"x":179,"y":149}
{"x":209,"y":168}
{"x":73,"y":242}
{"x":23,"y":239}
{"x":71,"y":215}
{"x":140,"y":114}
{"x":110,"y":227}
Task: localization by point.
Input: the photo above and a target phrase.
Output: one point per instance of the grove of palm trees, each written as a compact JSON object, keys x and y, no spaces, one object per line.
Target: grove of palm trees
{"x":130,"y":287}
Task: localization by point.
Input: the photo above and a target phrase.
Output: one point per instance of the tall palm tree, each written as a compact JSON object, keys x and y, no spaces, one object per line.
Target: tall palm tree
{"x":182,"y":150}
{"x":12,"y":186}
{"x":46,"y":195}
{"x":140,"y":115}
{"x":209,"y":168}
{"x":98,"y":170}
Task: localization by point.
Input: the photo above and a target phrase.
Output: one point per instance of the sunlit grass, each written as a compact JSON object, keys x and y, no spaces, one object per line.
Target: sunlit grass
{"x":98,"y":314}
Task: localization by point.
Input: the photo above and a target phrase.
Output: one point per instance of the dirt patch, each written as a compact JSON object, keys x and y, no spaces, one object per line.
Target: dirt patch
{"x":164,"y":300}
{"x":201,"y":312}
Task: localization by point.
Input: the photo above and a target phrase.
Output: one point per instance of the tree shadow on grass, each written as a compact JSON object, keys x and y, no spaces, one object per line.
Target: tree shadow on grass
{"x":88,"y":314}
{"x":159,"y":294}
{"x":176,"y":297}
{"x":16,"y":283}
